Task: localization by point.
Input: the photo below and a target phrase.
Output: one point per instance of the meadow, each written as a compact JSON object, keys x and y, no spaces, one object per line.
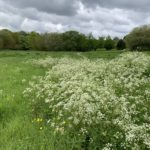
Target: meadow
{"x":72,"y":101}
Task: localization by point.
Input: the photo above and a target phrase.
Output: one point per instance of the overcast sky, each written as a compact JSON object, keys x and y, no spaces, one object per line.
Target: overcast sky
{"x":101,"y":17}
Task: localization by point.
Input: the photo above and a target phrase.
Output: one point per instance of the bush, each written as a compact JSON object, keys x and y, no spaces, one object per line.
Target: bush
{"x":121,"y":45}
{"x":107,"y":106}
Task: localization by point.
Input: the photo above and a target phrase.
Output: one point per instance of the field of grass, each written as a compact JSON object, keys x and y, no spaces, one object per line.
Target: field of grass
{"x":17,"y":131}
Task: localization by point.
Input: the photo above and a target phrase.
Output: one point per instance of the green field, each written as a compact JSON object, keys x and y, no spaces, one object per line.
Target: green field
{"x":17,"y":132}
{"x":16,"y":128}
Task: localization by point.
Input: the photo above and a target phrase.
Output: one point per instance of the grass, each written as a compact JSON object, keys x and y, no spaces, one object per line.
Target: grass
{"x":14,"y":123}
{"x":17,"y":132}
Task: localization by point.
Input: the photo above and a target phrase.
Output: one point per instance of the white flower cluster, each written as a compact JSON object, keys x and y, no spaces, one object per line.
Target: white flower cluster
{"x":111,"y":98}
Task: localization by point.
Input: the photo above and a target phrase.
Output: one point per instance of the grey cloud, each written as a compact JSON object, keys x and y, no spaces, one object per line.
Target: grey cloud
{"x":113,"y":17}
{"x":138,"y":5}
{"x":13,"y":23}
{"x":60,"y":7}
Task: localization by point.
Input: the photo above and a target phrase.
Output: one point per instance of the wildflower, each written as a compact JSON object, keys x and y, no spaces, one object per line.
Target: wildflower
{"x":79,"y":95}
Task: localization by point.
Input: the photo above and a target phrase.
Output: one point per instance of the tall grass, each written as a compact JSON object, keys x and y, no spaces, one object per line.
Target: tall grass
{"x":17,"y":129}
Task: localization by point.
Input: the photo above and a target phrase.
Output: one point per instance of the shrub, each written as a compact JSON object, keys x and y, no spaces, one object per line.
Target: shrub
{"x":121,"y":45}
{"x":107,"y":106}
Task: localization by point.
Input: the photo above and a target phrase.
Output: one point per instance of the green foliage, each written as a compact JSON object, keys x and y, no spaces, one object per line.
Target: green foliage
{"x":92,"y":42}
{"x":109,"y":43}
{"x":139,"y":38}
{"x":121,"y":44}
{"x":35,"y":41}
{"x":24,"y":42}
{"x":1,"y":43}
{"x":7,"y":39}
{"x":71,"y":40}
{"x":101,"y":42}
{"x":51,"y":42}
{"x":67,"y":41}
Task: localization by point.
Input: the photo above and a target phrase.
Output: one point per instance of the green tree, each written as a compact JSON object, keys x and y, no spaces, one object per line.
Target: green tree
{"x":109,"y":43}
{"x":72,"y":41}
{"x":1,"y":43}
{"x":83,"y":43}
{"x":92,"y":43}
{"x":101,"y":42}
{"x":7,"y":39}
{"x":116,"y":39}
{"x":23,"y":41}
{"x":139,"y":38}
{"x":35,"y":41}
{"x":52,"y":42}
{"x":121,"y":44}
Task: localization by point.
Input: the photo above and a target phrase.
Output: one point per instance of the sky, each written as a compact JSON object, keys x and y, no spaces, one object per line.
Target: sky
{"x":101,"y":17}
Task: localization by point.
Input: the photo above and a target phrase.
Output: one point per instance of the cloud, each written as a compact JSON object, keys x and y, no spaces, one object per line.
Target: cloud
{"x":138,"y":5}
{"x":31,"y":25}
{"x":61,"y":7}
{"x":109,"y":17}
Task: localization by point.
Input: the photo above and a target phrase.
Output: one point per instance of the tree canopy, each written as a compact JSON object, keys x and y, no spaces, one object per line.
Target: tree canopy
{"x":121,"y":44}
{"x":139,"y":38}
{"x":67,"y":41}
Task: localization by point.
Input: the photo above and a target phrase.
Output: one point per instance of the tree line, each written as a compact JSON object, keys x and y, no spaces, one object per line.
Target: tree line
{"x":137,"y":39}
{"x":67,"y":41}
